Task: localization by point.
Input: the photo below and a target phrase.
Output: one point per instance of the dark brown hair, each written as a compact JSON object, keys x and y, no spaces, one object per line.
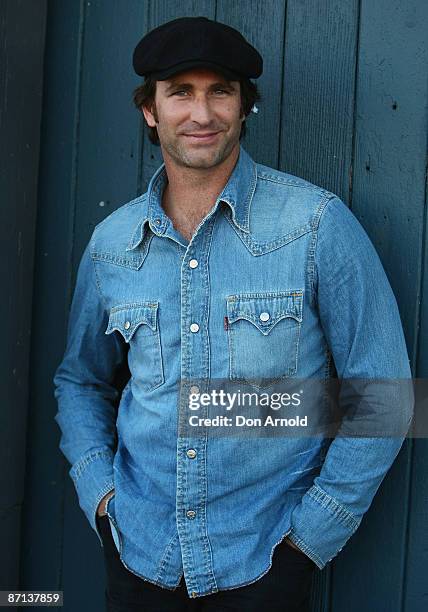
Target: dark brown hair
{"x":144,"y":95}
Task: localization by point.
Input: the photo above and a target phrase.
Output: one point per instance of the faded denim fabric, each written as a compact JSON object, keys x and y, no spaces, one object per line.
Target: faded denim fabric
{"x":304,"y":295}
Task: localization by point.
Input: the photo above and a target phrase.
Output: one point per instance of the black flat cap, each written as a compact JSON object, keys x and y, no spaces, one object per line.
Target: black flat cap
{"x":190,"y":42}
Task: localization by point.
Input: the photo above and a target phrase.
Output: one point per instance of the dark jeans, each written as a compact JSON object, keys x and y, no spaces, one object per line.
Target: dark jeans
{"x":284,"y":588}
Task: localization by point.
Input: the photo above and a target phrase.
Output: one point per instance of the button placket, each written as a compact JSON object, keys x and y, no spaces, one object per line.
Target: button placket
{"x":191,"y":449}
{"x":194,"y":327}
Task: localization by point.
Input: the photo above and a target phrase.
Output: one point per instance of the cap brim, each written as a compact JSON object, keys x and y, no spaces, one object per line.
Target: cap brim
{"x":162,"y":75}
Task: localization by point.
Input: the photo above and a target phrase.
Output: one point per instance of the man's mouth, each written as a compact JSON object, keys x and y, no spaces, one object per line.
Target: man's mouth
{"x":202,"y":137}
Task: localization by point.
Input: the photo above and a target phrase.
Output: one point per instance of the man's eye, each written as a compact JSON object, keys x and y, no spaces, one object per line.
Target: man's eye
{"x":181,"y":93}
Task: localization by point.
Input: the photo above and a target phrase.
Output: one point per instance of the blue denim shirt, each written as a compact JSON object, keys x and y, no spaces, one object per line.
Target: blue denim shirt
{"x":279,"y":281}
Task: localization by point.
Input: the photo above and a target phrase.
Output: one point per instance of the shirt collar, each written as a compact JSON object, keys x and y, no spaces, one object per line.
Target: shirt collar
{"x":237,"y":193}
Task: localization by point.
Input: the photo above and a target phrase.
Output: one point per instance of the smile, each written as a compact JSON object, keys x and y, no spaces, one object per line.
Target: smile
{"x":202,"y":137}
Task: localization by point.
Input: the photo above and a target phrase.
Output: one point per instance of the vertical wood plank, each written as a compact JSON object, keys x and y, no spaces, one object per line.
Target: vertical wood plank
{"x":109,"y":124}
{"x":415,"y":589}
{"x":43,"y":528}
{"x":415,"y":579}
{"x":388,"y":194}
{"x":318,"y":96}
{"x":22,"y":36}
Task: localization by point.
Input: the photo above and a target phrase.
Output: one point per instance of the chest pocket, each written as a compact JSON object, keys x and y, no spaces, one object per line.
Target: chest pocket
{"x":139,"y":326}
{"x":263,"y":336}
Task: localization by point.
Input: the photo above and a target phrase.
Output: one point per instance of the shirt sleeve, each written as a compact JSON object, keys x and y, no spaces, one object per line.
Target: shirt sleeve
{"x":361,"y":323}
{"x":87,"y":393}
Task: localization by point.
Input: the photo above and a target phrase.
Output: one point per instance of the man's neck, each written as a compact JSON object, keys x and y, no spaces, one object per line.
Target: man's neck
{"x":195,"y":191}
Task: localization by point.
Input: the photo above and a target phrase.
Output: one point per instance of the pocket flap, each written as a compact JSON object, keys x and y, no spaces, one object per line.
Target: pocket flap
{"x":127,"y":318}
{"x":264,"y":310}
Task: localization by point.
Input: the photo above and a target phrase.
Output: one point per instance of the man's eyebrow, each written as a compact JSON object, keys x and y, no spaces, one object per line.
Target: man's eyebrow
{"x":219,"y":84}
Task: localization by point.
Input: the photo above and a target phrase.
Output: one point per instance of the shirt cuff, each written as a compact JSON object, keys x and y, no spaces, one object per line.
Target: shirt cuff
{"x":320,"y":526}
{"x":93,"y":478}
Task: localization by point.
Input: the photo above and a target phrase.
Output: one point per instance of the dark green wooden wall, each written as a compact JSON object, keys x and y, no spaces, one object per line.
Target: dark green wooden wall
{"x":22,"y":39}
{"x":345,"y":106}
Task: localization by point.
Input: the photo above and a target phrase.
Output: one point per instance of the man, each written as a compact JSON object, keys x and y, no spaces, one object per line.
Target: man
{"x":224,"y":270}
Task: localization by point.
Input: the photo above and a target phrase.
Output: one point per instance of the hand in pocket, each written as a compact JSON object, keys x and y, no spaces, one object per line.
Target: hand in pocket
{"x":101,"y":510}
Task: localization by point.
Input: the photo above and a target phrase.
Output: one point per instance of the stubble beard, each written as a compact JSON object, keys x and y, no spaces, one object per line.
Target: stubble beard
{"x":188,"y":158}
{"x":203,"y":159}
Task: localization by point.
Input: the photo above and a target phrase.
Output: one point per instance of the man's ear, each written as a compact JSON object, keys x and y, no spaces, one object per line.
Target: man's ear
{"x":148,"y":115}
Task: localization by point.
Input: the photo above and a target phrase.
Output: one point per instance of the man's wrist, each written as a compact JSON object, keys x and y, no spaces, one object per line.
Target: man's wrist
{"x":102,"y":506}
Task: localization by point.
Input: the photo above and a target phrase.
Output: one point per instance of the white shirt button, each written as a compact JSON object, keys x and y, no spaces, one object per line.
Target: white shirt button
{"x":194,"y":327}
{"x":193,"y":263}
{"x":191,"y":514}
{"x":194,"y":389}
{"x":191,"y":453}
{"x":264,"y":316}
{"x":127,"y":325}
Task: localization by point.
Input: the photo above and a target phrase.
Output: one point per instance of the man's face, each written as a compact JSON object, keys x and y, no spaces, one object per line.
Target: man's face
{"x":197,"y":114}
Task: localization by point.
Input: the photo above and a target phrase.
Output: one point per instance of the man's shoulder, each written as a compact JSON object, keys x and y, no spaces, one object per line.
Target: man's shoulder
{"x":295,"y":203}
{"x":289,"y":183}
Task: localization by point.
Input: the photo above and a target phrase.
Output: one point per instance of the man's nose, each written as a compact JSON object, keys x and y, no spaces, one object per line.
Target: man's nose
{"x":201,"y":111}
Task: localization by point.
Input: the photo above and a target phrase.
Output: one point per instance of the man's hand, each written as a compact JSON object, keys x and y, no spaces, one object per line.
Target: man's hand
{"x":101,"y":510}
